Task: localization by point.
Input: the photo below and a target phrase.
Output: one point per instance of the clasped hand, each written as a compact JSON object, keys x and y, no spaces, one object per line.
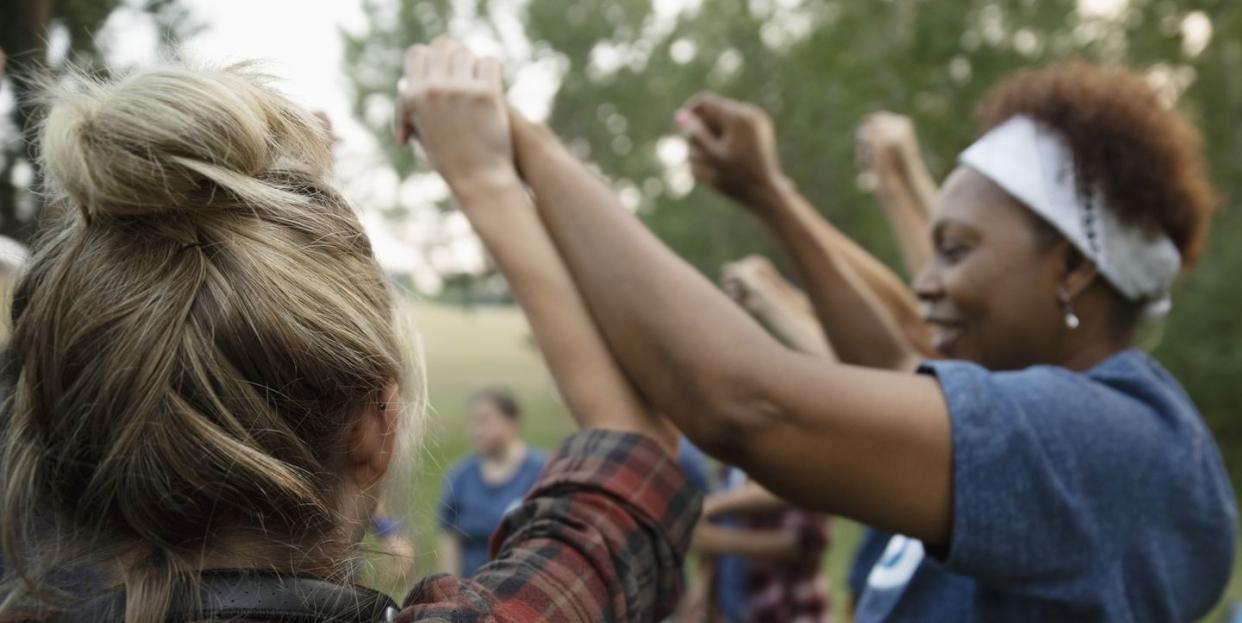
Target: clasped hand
{"x":453,"y":102}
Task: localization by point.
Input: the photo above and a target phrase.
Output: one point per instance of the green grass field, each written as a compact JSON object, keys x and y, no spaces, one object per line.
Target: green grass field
{"x":469,"y":348}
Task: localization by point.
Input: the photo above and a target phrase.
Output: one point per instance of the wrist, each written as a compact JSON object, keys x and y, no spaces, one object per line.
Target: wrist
{"x":483,"y":185}
{"x":532,"y":143}
{"x":889,"y":168}
{"x":773,"y":199}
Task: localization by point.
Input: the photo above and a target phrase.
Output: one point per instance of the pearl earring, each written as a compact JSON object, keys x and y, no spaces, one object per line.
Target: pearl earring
{"x":1067,"y":305}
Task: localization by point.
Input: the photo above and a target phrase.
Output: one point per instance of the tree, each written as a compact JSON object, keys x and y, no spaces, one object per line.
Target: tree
{"x":24,"y":35}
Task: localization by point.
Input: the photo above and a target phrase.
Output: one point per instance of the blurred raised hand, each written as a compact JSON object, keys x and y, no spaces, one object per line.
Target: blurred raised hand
{"x":758,"y":287}
{"x":753,"y":283}
{"x":888,"y":149}
{"x":886,"y":142}
{"x":732,"y":147}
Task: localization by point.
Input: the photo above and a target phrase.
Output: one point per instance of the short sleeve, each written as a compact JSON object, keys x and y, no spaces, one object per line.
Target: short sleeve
{"x":1048,"y":469}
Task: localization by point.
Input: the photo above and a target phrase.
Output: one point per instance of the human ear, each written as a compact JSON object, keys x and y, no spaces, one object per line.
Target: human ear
{"x":1079,"y":272}
{"x":373,"y":437}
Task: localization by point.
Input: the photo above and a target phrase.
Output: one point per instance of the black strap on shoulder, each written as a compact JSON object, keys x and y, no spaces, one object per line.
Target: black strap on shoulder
{"x":229,"y":596}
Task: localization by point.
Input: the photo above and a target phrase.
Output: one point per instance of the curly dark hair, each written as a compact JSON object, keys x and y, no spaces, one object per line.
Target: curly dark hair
{"x":1144,"y":156}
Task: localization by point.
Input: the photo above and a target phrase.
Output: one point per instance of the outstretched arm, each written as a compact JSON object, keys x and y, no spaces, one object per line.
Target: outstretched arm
{"x":867,"y":444}
{"x":868,"y":314}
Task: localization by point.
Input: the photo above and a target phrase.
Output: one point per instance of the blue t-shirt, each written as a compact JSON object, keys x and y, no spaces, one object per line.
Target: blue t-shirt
{"x":471,"y":508}
{"x":731,"y":572}
{"x":693,"y":462}
{"x":1077,"y":496}
{"x":872,"y":545}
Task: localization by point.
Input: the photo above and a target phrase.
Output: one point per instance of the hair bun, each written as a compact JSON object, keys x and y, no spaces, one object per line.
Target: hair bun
{"x":168,"y":139}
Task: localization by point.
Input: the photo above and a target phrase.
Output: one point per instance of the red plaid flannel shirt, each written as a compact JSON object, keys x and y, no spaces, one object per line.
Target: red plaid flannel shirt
{"x":601,"y":537}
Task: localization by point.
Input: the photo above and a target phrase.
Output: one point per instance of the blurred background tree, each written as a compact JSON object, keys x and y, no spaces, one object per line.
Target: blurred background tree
{"x":819,"y":66}
{"x":27,"y":31}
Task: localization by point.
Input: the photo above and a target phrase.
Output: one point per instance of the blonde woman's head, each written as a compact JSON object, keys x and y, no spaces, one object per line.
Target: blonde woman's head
{"x":204,"y":355}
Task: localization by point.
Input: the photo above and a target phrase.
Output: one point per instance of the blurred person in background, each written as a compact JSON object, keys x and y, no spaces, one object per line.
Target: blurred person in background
{"x":694,"y":464}
{"x":1045,"y":470}
{"x":765,"y":556}
{"x":482,"y":488}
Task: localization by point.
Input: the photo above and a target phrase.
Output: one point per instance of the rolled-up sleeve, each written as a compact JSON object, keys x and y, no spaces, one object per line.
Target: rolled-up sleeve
{"x":601,"y":537}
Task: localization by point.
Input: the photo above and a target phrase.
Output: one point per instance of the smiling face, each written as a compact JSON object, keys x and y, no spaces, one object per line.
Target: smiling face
{"x":990,"y":290}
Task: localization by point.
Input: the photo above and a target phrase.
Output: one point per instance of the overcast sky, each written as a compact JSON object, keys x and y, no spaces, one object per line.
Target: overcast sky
{"x":298,"y":41}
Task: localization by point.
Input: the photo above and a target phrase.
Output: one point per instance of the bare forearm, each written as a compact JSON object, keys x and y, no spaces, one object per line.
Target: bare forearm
{"x":747,"y":499}
{"x":593,"y":386}
{"x":907,"y":217}
{"x":922,"y":184}
{"x":854,"y":300}
{"x":649,"y":303}
{"x":793,"y":320}
{"x":767,"y":545}
{"x":866,"y":444}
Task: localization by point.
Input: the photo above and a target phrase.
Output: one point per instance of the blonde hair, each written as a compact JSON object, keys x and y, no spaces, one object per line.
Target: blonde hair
{"x":199,"y":323}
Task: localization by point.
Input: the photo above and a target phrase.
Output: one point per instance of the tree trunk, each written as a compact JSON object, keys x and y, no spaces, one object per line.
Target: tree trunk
{"x":23,"y":37}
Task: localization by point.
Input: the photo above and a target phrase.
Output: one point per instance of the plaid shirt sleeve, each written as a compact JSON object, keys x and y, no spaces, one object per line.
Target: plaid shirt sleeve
{"x":601,"y":537}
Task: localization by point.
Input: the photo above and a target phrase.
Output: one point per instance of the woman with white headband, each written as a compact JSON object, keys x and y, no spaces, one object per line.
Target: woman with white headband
{"x":1049,"y":471}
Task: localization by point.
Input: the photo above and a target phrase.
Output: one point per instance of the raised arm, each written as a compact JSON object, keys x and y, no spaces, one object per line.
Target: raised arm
{"x":607,"y":501}
{"x":756,"y":285}
{"x":868,"y":314}
{"x":867,"y":444}
{"x":888,"y":148}
{"x":494,"y":199}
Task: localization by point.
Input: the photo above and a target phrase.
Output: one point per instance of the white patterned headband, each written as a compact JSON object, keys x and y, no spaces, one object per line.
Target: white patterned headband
{"x":1033,"y":164}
